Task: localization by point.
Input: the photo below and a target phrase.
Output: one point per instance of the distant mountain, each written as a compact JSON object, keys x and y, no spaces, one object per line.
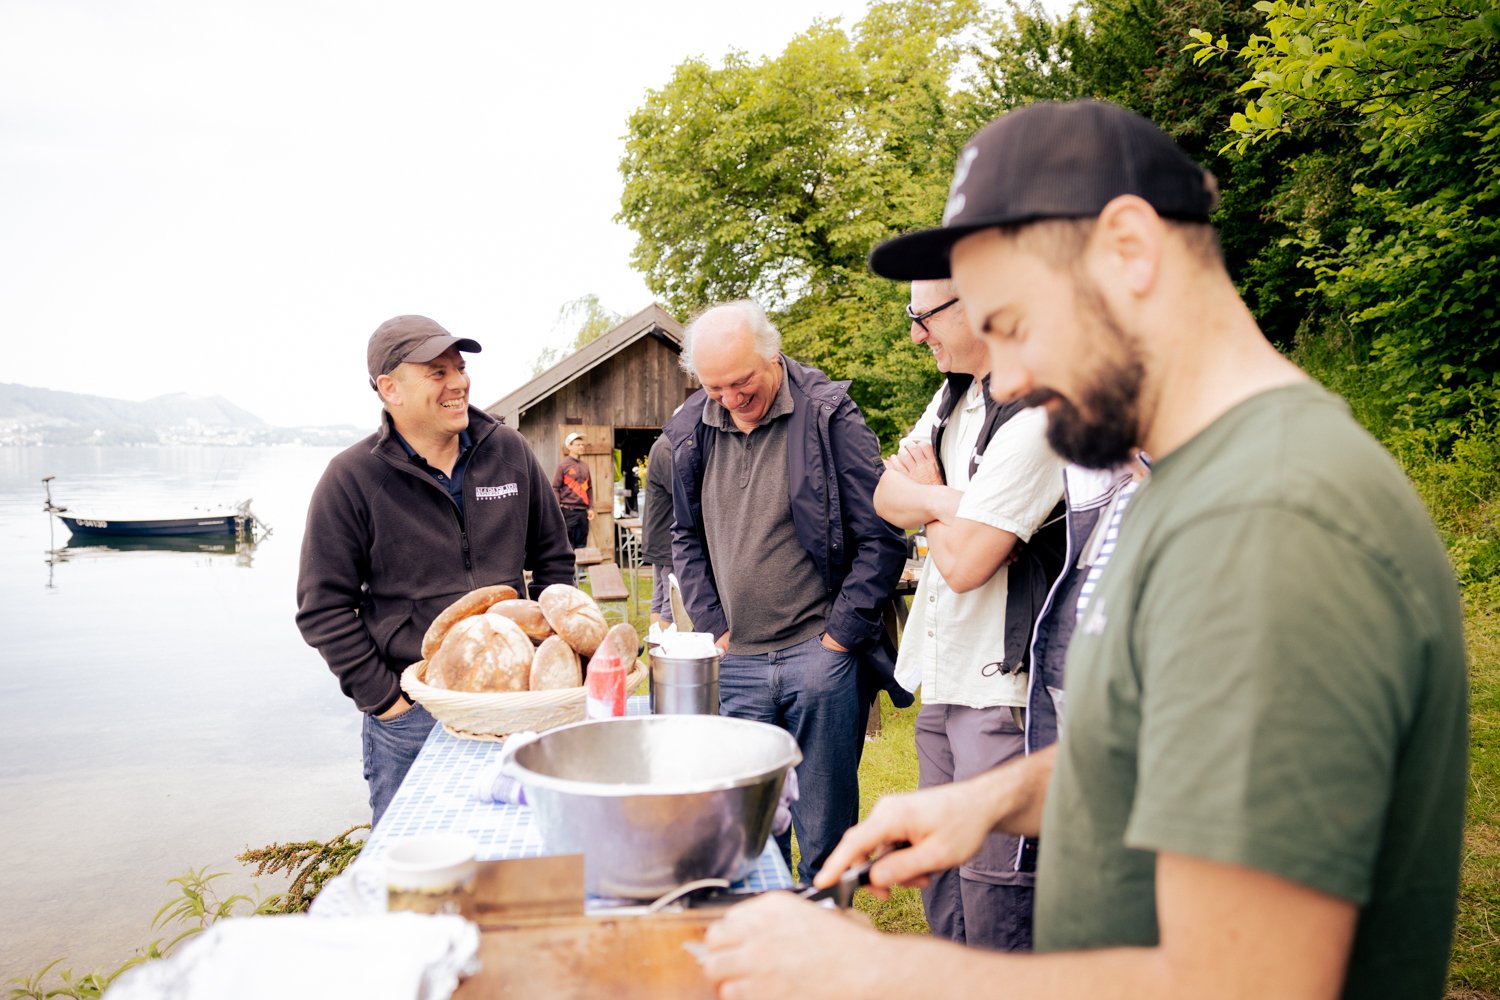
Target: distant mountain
{"x":29,"y":415}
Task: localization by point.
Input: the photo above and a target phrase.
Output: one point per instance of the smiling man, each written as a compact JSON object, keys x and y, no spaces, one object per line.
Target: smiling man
{"x":1260,"y":788}
{"x":781,"y":555}
{"x":978,"y":477}
{"x":441,"y":500}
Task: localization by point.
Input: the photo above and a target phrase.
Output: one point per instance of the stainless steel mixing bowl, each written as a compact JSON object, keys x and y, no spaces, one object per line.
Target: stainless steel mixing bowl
{"x":655,"y":801}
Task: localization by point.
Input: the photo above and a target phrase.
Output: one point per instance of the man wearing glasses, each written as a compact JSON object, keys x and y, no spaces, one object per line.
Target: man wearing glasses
{"x":980,"y":478}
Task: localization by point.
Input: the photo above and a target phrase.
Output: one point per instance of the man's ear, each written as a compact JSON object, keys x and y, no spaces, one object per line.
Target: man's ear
{"x":389,"y":389}
{"x":1125,"y":246}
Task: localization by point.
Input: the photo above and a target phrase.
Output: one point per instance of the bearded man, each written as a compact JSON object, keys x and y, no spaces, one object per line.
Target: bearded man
{"x":1259,"y":791}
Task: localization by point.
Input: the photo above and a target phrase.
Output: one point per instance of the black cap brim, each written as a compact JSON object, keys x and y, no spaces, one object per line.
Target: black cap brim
{"x":920,"y":256}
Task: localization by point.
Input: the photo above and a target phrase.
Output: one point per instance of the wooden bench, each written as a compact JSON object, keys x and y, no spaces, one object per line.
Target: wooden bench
{"x":583,"y":558}
{"x":606,"y":584}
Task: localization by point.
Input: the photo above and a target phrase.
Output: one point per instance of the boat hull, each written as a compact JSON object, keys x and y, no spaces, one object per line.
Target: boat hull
{"x":230,"y":525}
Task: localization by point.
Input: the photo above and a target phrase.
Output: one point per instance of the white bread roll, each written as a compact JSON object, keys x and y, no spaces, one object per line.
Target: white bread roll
{"x":527,"y":614}
{"x":555,"y":665}
{"x":627,"y":640}
{"x":574,"y":616}
{"x":482,"y":653}
{"x":475,"y":602}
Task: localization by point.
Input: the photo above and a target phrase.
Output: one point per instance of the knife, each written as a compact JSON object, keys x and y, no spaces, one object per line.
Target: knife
{"x":855,"y":876}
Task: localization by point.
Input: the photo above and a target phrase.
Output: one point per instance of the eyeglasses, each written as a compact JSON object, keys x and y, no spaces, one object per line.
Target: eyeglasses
{"x":921,"y":318}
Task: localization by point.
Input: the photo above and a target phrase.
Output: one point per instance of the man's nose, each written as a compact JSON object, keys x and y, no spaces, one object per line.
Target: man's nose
{"x":918,"y":334}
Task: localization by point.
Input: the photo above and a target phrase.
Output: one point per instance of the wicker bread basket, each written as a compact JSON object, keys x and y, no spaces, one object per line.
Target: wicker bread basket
{"x":493,"y":716}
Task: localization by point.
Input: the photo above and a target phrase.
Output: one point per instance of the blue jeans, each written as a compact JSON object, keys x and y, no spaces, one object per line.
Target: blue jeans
{"x":390,"y":747}
{"x":810,"y":691}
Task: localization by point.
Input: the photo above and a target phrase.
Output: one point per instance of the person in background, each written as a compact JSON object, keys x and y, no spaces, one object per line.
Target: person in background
{"x":781,"y":556}
{"x":986,"y":488}
{"x":442,"y":499}
{"x":656,"y":527}
{"x":573,"y":484}
{"x":1259,"y":787}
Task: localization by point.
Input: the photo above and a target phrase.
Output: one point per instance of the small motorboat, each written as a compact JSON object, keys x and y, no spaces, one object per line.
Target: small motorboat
{"x":236,"y":521}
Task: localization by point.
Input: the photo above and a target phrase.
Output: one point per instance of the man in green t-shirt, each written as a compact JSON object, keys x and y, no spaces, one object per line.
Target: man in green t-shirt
{"x":1259,"y":789}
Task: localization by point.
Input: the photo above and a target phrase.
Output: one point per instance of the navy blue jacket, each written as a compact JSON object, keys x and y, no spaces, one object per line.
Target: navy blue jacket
{"x":833,"y":464}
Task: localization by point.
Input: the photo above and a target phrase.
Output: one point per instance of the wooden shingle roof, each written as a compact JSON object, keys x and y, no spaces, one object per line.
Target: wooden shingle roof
{"x":652,"y":321}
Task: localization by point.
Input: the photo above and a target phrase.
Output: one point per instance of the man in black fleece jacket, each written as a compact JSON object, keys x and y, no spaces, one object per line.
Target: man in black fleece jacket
{"x":441,"y":500}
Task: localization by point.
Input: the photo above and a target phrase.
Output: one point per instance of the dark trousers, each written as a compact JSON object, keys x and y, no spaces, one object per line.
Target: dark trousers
{"x":577,"y":520}
{"x":986,"y":903}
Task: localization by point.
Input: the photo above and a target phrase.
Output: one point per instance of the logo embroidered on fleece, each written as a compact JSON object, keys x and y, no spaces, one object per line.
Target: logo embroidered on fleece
{"x":496,"y":492}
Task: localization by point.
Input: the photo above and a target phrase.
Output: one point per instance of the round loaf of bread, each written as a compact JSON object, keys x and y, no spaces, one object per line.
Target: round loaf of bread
{"x":527,"y":614}
{"x":555,"y":665}
{"x":475,"y":602}
{"x":574,"y":616}
{"x":482,"y":653}
{"x":627,"y":640}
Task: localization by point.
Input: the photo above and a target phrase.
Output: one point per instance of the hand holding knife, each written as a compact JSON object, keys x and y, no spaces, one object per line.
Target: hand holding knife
{"x":855,"y":876}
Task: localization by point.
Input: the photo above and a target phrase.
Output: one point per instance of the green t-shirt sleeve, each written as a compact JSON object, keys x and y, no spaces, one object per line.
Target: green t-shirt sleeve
{"x":1269,"y":650}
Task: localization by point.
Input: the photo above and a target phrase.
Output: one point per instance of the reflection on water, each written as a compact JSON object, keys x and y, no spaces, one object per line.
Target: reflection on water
{"x":158,"y":709}
{"x":89,"y":546}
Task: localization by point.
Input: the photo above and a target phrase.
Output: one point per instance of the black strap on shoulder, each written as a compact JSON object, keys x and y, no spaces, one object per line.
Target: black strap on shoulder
{"x":995,"y":416}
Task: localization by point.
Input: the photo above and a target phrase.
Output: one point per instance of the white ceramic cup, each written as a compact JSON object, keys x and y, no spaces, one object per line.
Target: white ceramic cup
{"x":429,"y":872}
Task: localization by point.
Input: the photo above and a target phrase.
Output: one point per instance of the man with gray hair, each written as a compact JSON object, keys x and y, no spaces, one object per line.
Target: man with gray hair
{"x":781,"y":555}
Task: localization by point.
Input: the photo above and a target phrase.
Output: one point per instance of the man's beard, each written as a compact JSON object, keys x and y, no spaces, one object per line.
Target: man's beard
{"x":1102,"y":432}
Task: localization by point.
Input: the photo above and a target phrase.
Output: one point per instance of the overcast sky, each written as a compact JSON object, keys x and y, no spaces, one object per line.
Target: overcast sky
{"x":227,"y":197}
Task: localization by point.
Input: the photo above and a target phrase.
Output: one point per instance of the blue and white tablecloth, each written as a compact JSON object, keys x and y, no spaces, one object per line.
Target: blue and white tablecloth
{"x":437,"y":796}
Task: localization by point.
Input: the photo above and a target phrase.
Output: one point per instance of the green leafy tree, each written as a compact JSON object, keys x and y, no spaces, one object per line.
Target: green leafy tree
{"x":772,"y":179}
{"x":1410,"y":267}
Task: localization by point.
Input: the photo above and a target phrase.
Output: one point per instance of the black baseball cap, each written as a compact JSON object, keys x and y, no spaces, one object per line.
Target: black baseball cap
{"x":1053,"y":160}
{"x":410,"y":338}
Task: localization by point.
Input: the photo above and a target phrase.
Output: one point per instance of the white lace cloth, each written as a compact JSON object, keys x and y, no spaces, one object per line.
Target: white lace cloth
{"x":393,"y":956}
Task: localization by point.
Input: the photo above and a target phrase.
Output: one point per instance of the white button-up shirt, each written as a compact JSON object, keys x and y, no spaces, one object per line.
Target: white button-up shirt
{"x":953,"y":643}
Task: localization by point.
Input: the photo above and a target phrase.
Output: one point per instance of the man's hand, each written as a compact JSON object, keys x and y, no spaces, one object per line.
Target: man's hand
{"x":778,"y":946}
{"x":591,"y":513}
{"x":945,"y":824}
{"x":829,"y":642}
{"x":397,"y":710}
{"x":918,"y":463}
{"x":723,"y":643}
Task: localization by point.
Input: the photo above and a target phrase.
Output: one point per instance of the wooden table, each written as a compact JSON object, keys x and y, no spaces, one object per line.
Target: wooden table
{"x":598,"y":954}
{"x":628,"y":539}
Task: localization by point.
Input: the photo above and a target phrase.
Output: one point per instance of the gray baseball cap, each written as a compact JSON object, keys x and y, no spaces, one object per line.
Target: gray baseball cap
{"x":410,"y":338}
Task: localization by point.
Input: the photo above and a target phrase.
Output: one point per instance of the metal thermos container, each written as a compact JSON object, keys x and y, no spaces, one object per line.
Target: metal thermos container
{"x":684,"y":685}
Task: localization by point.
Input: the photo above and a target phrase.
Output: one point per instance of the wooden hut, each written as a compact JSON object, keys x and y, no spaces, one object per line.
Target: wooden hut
{"x":617,"y":391}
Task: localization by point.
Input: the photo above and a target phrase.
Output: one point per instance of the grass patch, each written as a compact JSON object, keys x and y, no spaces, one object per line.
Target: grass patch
{"x":1475,"y":970}
{"x":889,"y":765}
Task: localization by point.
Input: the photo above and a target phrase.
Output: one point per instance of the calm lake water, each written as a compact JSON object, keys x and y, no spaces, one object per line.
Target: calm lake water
{"x":158,"y":709}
